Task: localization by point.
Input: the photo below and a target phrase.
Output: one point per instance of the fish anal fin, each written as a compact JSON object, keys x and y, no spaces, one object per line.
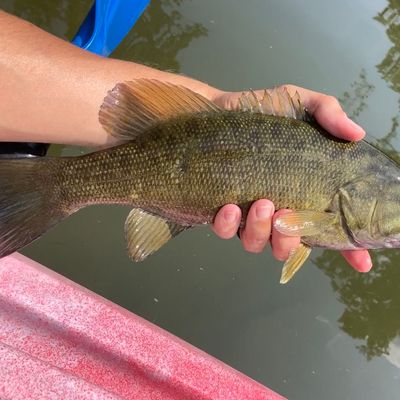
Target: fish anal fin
{"x":146,"y":233}
{"x":277,"y":101}
{"x":295,"y":261}
{"x":132,"y":107}
{"x":304,"y":223}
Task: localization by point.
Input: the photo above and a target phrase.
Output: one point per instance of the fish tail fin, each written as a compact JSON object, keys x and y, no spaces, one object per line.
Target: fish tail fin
{"x":30,"y":201}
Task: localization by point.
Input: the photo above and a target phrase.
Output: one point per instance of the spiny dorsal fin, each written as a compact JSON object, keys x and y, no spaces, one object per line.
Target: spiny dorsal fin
{"x":132,"y":107}
{"x":146,"y":233}
{"x":295,"y":261}
{"x":276,"y":101}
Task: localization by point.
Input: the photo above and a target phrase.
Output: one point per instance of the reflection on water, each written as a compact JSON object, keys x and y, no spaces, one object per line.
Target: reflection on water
{"x":393,"y":354}
{"x":159,"y":35}
{"x":386,"y":143}
{"x":62,"y":18}
{"x":354,"y":100}
{"x":389,"y":67}
{"x":372,"y":301}
{"x":390,"y":70}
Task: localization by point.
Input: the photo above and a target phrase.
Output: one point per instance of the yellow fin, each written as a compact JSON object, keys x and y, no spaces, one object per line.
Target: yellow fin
{"x":295,"y":261}
{"x":304,"y":223}
{"x":146,"y":233}
{"x":132,"y":107}
{"x":276,"y":101}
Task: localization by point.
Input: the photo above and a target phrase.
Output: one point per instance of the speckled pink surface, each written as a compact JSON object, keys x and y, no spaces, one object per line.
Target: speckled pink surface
{"x":61,"y":341}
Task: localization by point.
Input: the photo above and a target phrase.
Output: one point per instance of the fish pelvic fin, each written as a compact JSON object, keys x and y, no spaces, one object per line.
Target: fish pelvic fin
{"x":132,"y":107}
{"x":277,"y":101}
{"x":29,"y":201}
{"x":146,"y":233}
{"x":295,"y":261}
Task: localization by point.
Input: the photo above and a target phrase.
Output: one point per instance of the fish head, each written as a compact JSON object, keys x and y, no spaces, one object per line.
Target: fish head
{"x":385,"y":220}
{"x":370,"y":211}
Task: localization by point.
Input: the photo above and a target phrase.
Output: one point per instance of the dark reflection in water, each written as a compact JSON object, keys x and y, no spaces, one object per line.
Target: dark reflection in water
{"x":386,"y":143}
{"x":389,"y":67}
{"x":159,"y":35}
{"x":354,"y":100}
{"x":61,"y":18}
{"x":390,"y":70}
{"x":372,"y":301}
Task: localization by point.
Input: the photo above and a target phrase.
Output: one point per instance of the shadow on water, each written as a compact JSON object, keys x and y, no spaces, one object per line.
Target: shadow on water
{"x":372,"y":301}
{"x":159,"y":35}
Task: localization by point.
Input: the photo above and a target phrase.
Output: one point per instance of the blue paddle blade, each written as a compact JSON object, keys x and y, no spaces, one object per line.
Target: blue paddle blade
{"x":107,"y":23}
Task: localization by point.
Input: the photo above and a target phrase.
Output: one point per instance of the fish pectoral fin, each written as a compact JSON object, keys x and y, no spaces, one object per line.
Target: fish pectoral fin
{"x":132,"y":107}
{"x":146,"y":233}
{"x":295,"y":261}
{"x":304,"y":223}
{"x":277,"y":101}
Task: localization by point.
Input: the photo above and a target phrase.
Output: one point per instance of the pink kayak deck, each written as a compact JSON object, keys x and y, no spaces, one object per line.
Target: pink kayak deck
{"x":59,"y":340}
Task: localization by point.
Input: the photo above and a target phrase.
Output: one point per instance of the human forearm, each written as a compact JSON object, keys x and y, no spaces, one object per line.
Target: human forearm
{"x":51,"y":90}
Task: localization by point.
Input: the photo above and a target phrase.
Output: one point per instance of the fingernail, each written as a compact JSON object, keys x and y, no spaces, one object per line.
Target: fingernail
{"x":364,"y":264}
{"x":357,"y":128}
{"x":263,"y":212}
{"x":230,"y":217}
{"x":368,"y":265}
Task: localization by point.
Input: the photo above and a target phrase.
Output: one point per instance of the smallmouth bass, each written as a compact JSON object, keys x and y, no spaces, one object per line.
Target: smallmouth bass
{"x":182,"y":158}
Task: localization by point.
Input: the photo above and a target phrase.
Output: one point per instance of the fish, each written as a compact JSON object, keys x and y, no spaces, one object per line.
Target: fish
{"x":180,"y":158}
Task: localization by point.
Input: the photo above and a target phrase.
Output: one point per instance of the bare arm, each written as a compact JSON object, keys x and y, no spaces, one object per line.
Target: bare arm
{"x":51,"y":90}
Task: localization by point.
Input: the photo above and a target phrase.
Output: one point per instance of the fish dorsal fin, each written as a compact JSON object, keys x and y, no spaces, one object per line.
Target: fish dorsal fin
{"x":276,"y":101}
{"x":132,"y":107}
{"x":146,"y":233}
{"x":295,"y":261}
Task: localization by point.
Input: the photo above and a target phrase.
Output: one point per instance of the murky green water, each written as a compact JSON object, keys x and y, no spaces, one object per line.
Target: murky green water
{"x":331,"y":333}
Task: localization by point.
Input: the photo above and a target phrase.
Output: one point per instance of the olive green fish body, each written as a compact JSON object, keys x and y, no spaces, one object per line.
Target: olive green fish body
{"x":186,"y":168}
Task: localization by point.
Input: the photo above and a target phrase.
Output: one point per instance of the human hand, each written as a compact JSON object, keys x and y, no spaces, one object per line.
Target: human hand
{"x":261,"y":216}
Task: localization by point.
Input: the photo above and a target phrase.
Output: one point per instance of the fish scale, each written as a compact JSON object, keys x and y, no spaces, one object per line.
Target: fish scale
{"x":222,"y":166}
